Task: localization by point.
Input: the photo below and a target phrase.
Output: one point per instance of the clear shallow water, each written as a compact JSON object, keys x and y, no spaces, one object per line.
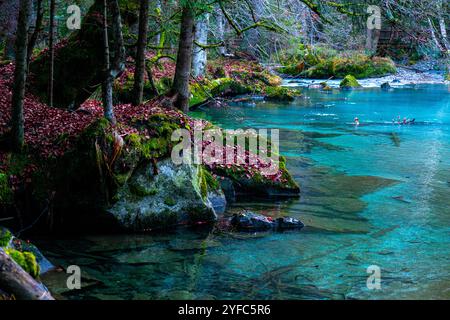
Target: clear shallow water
{"x":377,"y":194}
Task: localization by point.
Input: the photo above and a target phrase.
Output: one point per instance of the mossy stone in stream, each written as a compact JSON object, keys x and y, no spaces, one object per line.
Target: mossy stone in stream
{"x":349,"y":82}
{"x":281,"y":94}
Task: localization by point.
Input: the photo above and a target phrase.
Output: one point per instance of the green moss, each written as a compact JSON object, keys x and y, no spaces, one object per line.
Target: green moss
{"x":349,"y":82}
{"x":141,"y":191}
{"x":96,"y":129}
{"x":281,"y":94}
{"x":133,"y":139}
{"x":169,"y":201}
{"x":323,"y":63}
{"x":6,"y":194}
{"x":160,"y":127}
{"x":211,"y":182}
{"x":203,"y":91}
{"x":26,"y":260}
{"x":5,"y":237}
{"x":202,"y":183}
{"x":163,"y":85}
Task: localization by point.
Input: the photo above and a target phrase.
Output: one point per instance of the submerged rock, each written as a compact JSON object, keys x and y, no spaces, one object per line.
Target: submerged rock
{"x":249,"y":221}
{"x":174,"y":196}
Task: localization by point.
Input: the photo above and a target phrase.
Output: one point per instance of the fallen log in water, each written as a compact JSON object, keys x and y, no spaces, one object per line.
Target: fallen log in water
{"x":18,"y":282}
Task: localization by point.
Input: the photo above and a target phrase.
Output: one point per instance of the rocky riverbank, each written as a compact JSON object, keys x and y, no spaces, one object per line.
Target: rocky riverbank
{"x":405,"y":76}
{"x":81,"y":172}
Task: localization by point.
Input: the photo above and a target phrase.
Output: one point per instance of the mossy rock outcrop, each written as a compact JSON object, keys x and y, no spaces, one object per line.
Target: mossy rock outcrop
{"x":24,"y":254}
{"x":177,"y":194}
{"x":349,"y":82}
{"x":281,"y":94}
{"x":222,"y":87}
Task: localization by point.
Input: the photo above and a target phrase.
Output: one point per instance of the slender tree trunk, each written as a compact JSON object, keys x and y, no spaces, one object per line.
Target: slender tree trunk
{"x":220,"y":30}
{"x":199,"y":58}
{"x":158,"y":14}
{"x":36,"y":31}
{"x":107,"y":88}
{"x":52,"y":52}
{"x":118,"y":63}
{"x":20,"y":76}
{"x":180,"y":86}
{"x":443,"y":29}
{"x":140,"y":54}
{"x":433,"y":35}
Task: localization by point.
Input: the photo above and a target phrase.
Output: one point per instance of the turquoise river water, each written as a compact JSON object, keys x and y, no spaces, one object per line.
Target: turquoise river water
{"x":377,"y":194}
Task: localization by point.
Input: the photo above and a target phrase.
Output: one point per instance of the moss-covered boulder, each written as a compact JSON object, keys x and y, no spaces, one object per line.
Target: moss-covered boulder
{"x":202,"y":91}
{"x":349,"y":82}
{"x":24,"y":253}
{"x":164,"y":196}
{"x":281,"y":94}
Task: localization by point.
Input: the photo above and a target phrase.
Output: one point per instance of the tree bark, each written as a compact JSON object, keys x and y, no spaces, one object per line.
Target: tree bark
{"x":180,"y":87}
{"x":158,"y":14}
{"x":433,"y":35}
{"x":52,"y":52}
{"x":220,"y":20}
{"x":443,"y":29}
{"x":199,"y":58}
{"x":119,"y":54}
{"x":139,"y":71}
{"x":20,"y":76}
{"x":108,"y":80}
{"x":36,"y":31}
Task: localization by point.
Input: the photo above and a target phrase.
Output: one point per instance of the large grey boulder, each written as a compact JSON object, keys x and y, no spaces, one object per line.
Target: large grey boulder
{"x":170,"y":195}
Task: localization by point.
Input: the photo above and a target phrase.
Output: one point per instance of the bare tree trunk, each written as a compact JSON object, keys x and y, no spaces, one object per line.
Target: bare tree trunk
{"x":443,"y":29}
{"x":52,"y":52}
{"x":158,"y":14}
{"x":118,"y":64}
{"x":20,"y":76}
{"x":18,"y":282}
{"x":199,"y":58}
{"x":140,"y":54}
{"x":107,"y":89}
{"x":36,"y":31}
{"x":180,"y":87}
{"x":220,"y":30}
{"x":433,"y":35}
